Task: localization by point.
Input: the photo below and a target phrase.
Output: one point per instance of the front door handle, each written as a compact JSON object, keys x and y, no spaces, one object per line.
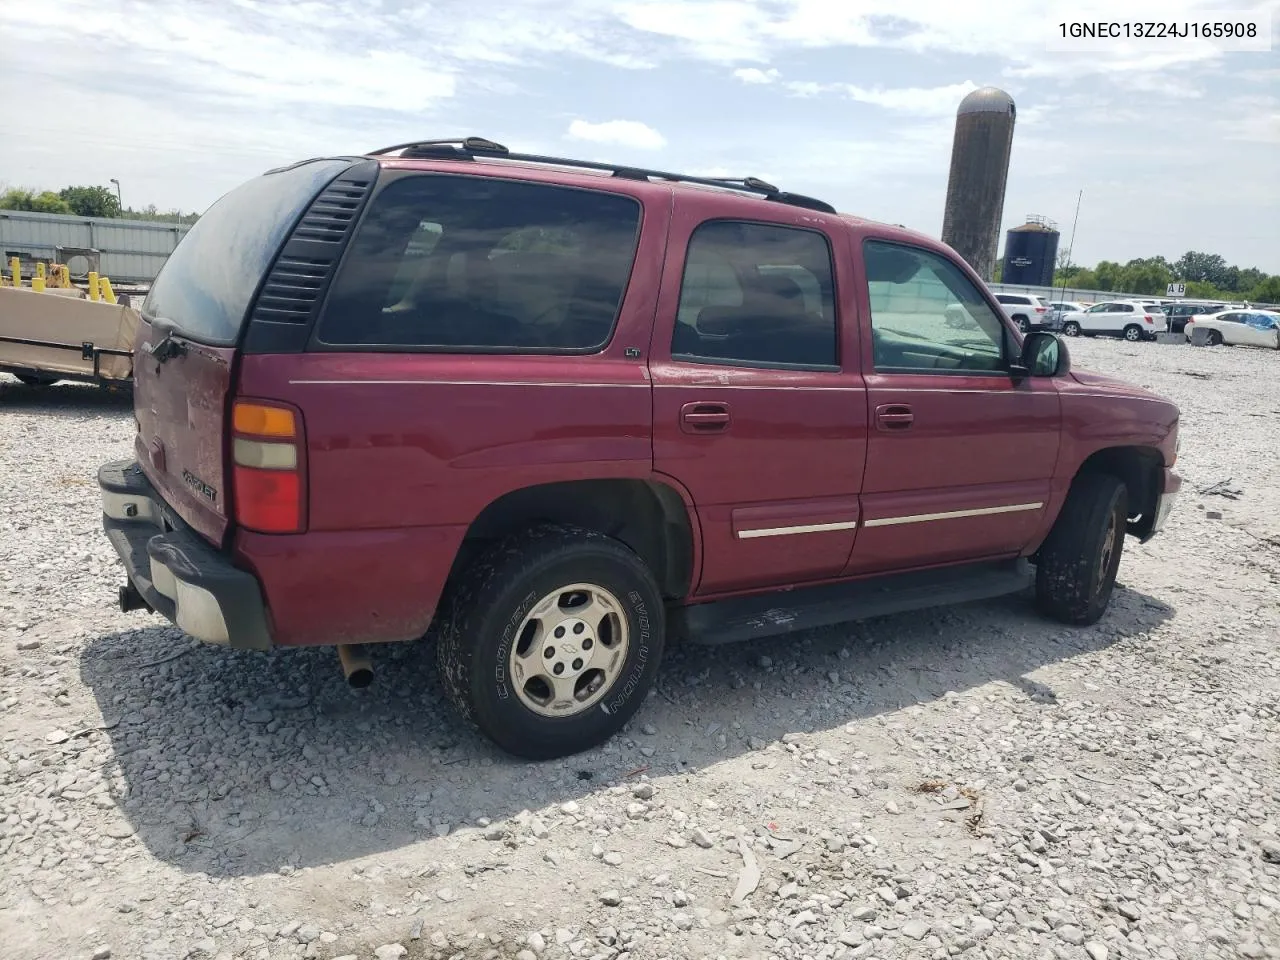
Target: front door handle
{"x":705,"y":417}
{"x":894,"y":417}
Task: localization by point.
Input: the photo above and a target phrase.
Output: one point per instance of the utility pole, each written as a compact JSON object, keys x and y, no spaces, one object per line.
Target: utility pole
{"x":1072,"y":245}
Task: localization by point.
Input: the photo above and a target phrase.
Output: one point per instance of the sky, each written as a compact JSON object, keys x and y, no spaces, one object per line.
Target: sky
{"x":852,"y":101}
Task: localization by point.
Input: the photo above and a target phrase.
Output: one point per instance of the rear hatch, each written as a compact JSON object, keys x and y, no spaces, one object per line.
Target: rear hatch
{"x":192,"y":323}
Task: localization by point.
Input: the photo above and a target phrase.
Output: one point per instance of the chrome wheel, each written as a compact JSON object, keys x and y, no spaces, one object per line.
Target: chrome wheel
{"x":1133,"y":334}
{"x":1071,"y":329}
{"x":569,"y":650}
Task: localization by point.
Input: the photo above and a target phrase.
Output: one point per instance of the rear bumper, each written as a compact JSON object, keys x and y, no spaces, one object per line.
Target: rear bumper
{"x":177,"y":573}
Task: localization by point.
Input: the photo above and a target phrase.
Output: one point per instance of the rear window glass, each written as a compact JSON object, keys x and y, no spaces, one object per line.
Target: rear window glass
{"x":469,"y":263}
{"x":205,"y":286}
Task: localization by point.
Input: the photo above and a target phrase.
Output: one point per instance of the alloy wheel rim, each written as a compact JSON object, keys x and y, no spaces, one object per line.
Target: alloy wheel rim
{"x":569,"y":650}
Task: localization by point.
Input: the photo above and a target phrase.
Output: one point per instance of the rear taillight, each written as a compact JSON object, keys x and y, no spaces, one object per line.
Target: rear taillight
{"x":1041,"y":309}
{"x":267,"y":456}
{"x":1148,"y":319}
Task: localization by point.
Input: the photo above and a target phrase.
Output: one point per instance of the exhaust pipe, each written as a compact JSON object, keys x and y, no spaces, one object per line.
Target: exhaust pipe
{"x":131,"y":599}
{"x":356,"y":665}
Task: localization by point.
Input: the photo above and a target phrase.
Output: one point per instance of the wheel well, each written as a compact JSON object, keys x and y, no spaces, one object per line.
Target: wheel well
{"x":650,"y":518}
{"x":1139,"y":468}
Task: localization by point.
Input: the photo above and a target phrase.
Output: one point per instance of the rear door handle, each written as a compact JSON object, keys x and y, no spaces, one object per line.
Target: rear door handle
{"x":894,"y":416}
{"x":705,"y":417}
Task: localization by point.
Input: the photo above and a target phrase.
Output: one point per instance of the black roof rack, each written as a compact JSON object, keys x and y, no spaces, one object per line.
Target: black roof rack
{"x":468,"y":148}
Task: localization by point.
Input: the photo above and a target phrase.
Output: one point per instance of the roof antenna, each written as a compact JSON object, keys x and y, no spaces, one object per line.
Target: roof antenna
{"x":1071,"y":246}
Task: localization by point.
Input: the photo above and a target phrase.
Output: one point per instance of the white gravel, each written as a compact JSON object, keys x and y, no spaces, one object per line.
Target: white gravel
{"x":972,"y":782}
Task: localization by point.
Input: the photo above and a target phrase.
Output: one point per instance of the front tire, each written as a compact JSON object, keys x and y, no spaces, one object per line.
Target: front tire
{"x":553,"y":641}
{"x":1071,"y":329}
{"x":1133,"y":333}
{"x":1076,"y":570}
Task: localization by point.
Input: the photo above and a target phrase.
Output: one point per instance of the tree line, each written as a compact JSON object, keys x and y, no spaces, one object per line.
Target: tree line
{"x":1206,"y":275}
{"x":85,"y":202}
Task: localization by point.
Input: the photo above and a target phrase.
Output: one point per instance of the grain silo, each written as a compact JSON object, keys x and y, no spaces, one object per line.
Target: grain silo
{"x":979,"y":169}
{"x":1030,"y":253}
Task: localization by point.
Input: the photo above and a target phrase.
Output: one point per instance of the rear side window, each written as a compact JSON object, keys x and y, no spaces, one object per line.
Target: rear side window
{"x":455,"y":263}
{"x":205,"y":286}
{"x":756,"y":294}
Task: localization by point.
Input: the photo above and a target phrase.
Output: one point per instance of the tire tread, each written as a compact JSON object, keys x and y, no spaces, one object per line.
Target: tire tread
{"x":1064,"y":572}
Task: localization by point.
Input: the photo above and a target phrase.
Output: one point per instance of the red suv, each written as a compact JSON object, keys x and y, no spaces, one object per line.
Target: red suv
{"x":559,"y":411}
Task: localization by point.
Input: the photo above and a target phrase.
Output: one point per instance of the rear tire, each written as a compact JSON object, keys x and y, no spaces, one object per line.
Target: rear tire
{"x":1133,"y":333}
{"x":1071,"y":329}
{"x":1023,"y":324}
{"x":497,"y":643}
{"x":1076,"y":570}
{"x":1214,"y":339}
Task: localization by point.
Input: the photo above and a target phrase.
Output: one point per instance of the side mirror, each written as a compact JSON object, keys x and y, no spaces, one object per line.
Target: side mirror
{"x":1043,"y":355}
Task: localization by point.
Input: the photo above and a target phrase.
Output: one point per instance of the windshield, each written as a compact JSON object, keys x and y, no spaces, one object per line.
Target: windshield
{"x":205,"y":286}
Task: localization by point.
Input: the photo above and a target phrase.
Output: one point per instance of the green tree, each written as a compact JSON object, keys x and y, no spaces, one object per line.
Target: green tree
{"x":1250,"y":277}
{"x":91,"y":201}
{"x":1148,"y":276}
{"x":1267,"y":291}
{"x":1207,"y":291}
{"x":1108,"y":274}
{"x":44,"y":202}
{"x":1085,"y":280}
{"x":1197,"y":267}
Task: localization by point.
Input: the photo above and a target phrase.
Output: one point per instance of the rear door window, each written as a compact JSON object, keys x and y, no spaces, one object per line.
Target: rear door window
{"x":457,"y":263}
{"x":205,"y":285}
{"x":757,"y":294}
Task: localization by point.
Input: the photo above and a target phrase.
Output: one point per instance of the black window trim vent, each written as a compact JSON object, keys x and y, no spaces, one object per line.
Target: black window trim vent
{"x":291,"y":294}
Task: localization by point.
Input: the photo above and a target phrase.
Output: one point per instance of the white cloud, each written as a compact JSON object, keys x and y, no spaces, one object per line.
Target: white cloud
{"x":624,"y":133}
{"x":916,"y":101}
{"x":212,"y":93}
{"x":756,"y":75}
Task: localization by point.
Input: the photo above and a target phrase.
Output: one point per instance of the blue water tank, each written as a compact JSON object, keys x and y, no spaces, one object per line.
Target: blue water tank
{"x":1030,"y":253}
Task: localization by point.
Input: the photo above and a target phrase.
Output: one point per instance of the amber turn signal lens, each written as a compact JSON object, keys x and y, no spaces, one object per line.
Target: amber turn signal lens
{"x":263,"y":421}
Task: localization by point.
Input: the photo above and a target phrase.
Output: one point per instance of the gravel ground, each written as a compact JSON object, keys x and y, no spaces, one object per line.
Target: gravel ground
{"x":972,"y":782}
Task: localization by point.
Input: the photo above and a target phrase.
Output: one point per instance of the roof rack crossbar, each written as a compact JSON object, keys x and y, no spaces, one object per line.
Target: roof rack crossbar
{"x":468,"y":144}
{"x":465,"y":147}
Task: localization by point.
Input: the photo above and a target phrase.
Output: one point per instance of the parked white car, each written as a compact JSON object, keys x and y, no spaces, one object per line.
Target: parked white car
{"x":1242,"y":328}
{"x":1028,"y":311}
{"x":1131,"y":319}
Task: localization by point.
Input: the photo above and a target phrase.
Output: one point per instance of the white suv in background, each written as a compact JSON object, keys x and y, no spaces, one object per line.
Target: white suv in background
{"x":1131,"y":319}
{"x":1028,"y":311}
